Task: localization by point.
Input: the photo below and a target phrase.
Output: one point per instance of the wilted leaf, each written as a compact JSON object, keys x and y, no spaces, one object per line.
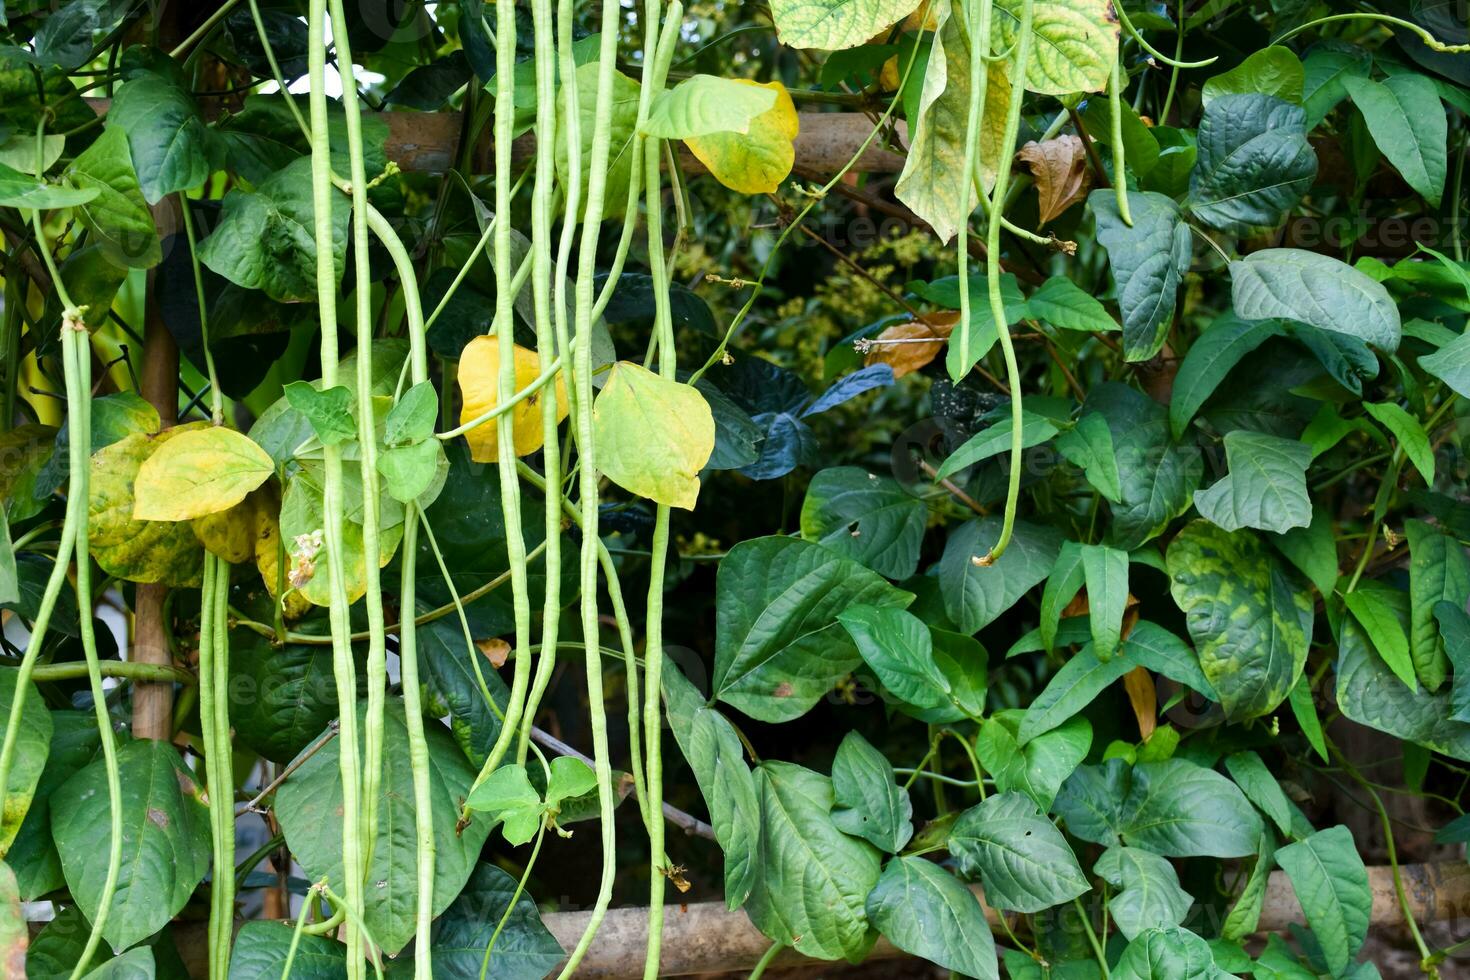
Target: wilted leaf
{"x":907,"y":347}
{"x":1059,"y":167}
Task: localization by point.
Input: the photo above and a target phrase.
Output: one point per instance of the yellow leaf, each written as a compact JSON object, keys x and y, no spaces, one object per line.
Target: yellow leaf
{"x":200,"y":472}
{"x":131,"y":549}
{"x":755,"y":162}
{"x":479,"y":379}
{"x":269,"y":553}
{"x":653,"y":435}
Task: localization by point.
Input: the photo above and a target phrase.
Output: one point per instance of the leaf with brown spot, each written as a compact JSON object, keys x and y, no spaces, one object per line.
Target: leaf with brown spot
{"x":908,"y":347}
{"x":1059,"y":167}
{"x":496,"y":650}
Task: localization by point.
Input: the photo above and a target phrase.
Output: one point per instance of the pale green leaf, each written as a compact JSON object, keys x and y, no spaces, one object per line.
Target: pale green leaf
{"x":653,"y":435}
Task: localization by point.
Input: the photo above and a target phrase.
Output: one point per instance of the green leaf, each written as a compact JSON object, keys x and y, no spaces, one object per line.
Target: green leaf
{"x":832,"y":25}
{"x":14,"y":933}
{"x":114,"y":417}
{"x":261,"y":948}
{"x":974,"y":595}
{"x":1266,"y":487}
{"x":962,"y":661}
{"x":302,"y":512}
{"x":1325,"y":67}
{"x":287,"y":692}
{"x":1274,"y":71}
{"x":1148,"y":259}
{"x":266,"y":238}
{"x":1089,"y":445}
{"x":1408,"y":126}
{"x":1250,"y":617}
{"x":865,"y":517}
{"x":996,"y":439}
{"x":524,"y":948}
{"x":18,"y":190}
{"x":1306,"y":715}
{"x":328,"y":410}
{"x":203,"y":471}
{"x":1313,"y":550}
{"x":778,"y":644}
{"x":1408,"y":433}
{"x":925,"y":911}
{"x":448,"y":670}
{"x":1245,"y":914}
{"x":410,"y":472}
{"x":1454,"y":627}
{"x":135,"y":964}
{"x":1167,"y":954}
{"x":1379,"y":609}
{"x":653,"y":434}
{"x":714,"y":751}
{"x":706,"y":104}
{"x":868,"y":802}
{"x":813,"y":878}
{"x":32,"y":746}
{"x":1451,"y":364}
{"x":32,"y":855}
{"x":624,"y":129}
{"x":165,"y":846}
{"x":1260,"y":787}
{"x":1210,"y":358}
{"x":309,"y":805}
{"x":1072,"y":688}
{"x":570,"y":778}
{"x":1156,"y":475}
{"x":1074,"y":47}
{"x":1038,"y":769}
{"x":171,"y":146}
{"x":1332,"y":886}
{"x":1149,"y":895}
{"x":1178,"y":809}
{"x":898,"y":647}
{"x":1105,"y":571}
{"x":1091,"y":801}
{"x":1062,"y":585}
{"x":1254,"y":163}
{"x":118,"y":217}
{"x":413,"y":416}
{"x":932,"y":180}
{"x":55,"y":950}
{"x":1316,"y":289}
{"x":1065,"y":305}
{"x":1022,"y":860}
{"x":507,"y":795}
{"x":1368,"y":693}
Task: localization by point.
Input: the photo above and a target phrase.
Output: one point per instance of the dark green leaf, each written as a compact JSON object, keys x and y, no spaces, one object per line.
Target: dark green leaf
{"x":1149,"y":895}
{"x":1408,"y":125}
{"x":1210,"y":359}
{"x":172,"y":148}
{"x":1022,"y":860}
{"x":1167,"y":954}
{"x":165,"y":847}
{"x":814,"y":879}
{"x":975,"y":594}
{"x":1178,"y":809}
{"x":1089,"y":445}
{"x":261,"y":948}
{"x":32,"y":746}
{"x":1065,"y":305}
{"x":1157,"y":476}
{"x":779,"y":647}
{"x":1292,"y":284}
{"x":1332,"y":886}
{"x":1266,"y":487}
{"x":870,"y":519}
{"x":1254,"y":163}
{"x":898,"y":647}
{"x":1148,"y":259}
{"x":1274,"y":71}
{"x":926,"y":911}
{"x":1038,"y":769}
{"x":524,"y":948}
{"x":868,"y":802}
{"x":118,"y":217}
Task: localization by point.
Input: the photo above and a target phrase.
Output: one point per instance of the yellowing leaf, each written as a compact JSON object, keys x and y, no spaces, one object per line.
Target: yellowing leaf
{"x":832,"y":25}
{"x":653,"y":435}
{"x":933,"y":173}
{"x":269,"y":553}
{"x":479,"y":380}
{"x":755,"y":162}
{"x":203,"y":471}
{"x":137,"y":550}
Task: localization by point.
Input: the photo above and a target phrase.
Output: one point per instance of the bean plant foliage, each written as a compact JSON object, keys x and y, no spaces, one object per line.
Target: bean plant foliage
{"x":469,"y":462}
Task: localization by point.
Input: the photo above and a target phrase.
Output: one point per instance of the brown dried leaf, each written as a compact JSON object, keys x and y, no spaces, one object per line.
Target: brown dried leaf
{"x":1139,"y":684}
{"x":496,"y":650}
{"x":907,"y":347}
{"x":1060,"y":168}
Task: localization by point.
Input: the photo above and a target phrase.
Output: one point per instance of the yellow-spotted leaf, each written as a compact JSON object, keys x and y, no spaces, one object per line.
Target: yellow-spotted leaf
{"x":932,"y":175}
{"x":479,"y":387}
{"x":200,"y":472}
{"x":653,"y":435}
{"x":138,"y":550}
{"x":756,"y":162}
{"x":831,"y":25}
{"x":1074,"y":45}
